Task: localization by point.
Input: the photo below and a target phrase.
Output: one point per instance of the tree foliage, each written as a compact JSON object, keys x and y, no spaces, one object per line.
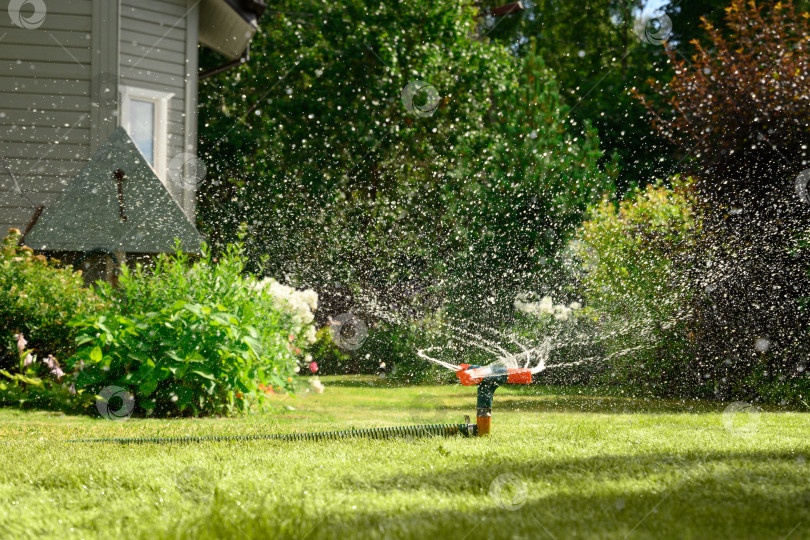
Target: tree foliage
{"x":597,"y":52}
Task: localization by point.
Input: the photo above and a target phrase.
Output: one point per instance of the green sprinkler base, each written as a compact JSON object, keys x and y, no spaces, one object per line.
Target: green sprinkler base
{"x":427,"y":430}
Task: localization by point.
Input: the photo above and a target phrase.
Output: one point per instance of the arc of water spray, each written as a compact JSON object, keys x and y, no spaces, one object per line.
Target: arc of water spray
{"x":533,"y":355}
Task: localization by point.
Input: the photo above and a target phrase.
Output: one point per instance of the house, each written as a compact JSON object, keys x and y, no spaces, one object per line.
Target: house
{"x":98,"y":120}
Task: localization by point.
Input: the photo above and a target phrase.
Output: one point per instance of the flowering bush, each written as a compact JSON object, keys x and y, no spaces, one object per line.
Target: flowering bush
{"x":36,"y":382}
{"x":301,"y":305}
{"x":37,"y":300}
{"x":194,"y":338}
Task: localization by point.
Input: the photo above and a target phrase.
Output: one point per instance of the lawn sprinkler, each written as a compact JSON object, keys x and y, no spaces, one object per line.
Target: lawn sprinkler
{"x":488,"y":379}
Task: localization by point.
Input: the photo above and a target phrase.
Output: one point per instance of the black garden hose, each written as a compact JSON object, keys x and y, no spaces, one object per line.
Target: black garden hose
{"x":426,"y":430}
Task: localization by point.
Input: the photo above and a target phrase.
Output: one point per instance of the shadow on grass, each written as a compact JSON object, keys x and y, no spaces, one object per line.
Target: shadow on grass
{"x":601,"y":469}
{"x":657,"y":495}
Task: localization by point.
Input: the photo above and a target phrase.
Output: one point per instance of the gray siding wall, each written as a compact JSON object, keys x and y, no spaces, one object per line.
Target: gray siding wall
{"x":45,"y":120}
{"x":51,"y":121}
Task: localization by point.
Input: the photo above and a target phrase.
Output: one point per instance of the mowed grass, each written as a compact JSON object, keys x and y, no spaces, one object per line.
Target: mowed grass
{"x":557,"y":465}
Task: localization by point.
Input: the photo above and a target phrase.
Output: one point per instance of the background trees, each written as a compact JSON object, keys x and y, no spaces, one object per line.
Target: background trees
{"x":342,"y":187}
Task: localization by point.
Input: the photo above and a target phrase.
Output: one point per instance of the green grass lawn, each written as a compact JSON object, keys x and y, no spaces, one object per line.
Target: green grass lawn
{"x":567,"y":465}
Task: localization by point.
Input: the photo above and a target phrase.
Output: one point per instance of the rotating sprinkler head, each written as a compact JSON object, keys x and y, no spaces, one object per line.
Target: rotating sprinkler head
{"x":488,"y":379}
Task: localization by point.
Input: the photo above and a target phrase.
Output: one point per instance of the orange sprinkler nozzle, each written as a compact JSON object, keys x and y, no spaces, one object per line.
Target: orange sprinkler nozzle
{"x":472,"y":375}
{"x":519,"y":376}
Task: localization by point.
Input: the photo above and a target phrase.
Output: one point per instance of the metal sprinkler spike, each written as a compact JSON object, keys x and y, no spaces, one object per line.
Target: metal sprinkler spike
{"x":488,"y":379}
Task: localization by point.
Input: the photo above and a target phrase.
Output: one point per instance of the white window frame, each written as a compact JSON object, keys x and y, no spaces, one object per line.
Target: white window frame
{"x":161,"y":135}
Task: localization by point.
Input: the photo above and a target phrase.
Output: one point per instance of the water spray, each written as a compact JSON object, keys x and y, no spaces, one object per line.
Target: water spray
{"x":488,"y":379}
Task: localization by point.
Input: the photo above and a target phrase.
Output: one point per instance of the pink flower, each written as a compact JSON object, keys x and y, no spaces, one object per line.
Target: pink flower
{"x":54,"y":366}
{"x":313,"y":367}
{"x":21,"y":343}
{"x":29,"y":359}
{"x":51,"y":362}
{"x":72,"y":388}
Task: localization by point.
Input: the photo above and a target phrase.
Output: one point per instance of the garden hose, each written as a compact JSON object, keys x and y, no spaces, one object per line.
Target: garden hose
{"x":426,"y":430}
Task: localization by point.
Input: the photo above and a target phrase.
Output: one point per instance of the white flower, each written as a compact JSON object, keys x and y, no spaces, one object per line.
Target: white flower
{"x":310,"y":297}
{"x":546,"y":305}
{"x":300,"y":304}
{"x":316,"y":385}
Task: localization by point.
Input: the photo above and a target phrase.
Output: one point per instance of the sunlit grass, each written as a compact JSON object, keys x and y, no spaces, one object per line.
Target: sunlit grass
{"x":591,"y":466}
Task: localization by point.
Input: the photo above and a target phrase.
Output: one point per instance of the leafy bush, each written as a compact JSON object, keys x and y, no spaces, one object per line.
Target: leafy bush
{"x":38,"y":299}
{"x":389,"y":348}
{"x":330,"y":359}
{"x":194,"y":338}
{"x":634,"y":283}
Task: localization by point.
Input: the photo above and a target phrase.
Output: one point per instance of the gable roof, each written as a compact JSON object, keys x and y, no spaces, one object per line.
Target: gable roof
{"x":135,"y":214}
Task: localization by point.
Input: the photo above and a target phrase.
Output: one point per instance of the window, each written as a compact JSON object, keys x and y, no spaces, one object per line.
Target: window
{"x":142,"y":127}
{"x":144,"y":114}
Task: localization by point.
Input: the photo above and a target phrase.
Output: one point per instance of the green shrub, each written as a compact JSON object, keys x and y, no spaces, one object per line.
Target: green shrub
{"x":38,"y":299}
{"x":634,"y":283}
{"x":194,"y":338}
